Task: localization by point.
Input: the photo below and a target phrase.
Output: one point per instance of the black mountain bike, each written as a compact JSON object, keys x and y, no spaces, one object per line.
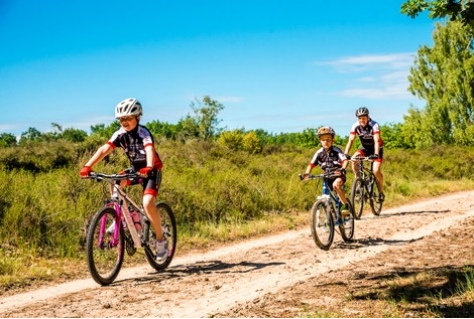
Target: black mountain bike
{"x":365,"y":188}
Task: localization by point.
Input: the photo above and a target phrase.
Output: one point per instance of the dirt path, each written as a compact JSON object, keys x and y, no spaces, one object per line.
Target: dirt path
{"x":254,"y":278}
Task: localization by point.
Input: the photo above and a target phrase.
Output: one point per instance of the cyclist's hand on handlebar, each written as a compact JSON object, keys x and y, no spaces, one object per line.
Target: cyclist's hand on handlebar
{"x":85,"y":172}
{"x":374,"y":157}
{"x":348,"y":156}
{"x":304,"y":177}
{"x":342,"y":170}
{"x":143,"y":172}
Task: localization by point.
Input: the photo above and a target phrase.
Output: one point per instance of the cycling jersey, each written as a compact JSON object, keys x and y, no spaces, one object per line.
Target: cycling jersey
{"x":134,"y":143}
{"x":333,"y":158}
{"x":366,"y":134}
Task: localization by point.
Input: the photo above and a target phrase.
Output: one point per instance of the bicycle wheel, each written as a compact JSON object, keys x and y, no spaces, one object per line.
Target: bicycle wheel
{"x":357,"y":197}
{"x":375,"y":203}
{"x":104,"y":256}
{"x":168,"y":224}
{"x":322,"y":224}
{"x":347,"y":226}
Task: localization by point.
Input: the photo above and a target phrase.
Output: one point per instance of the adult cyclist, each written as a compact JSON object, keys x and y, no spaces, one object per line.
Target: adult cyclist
{"x":368,"y":131}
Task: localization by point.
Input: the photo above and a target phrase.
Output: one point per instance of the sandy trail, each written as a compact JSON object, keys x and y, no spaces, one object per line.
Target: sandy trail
{"x":203,"y":285}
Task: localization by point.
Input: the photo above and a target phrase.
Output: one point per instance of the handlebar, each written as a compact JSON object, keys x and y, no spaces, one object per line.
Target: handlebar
{"x":361,"y":159}
{"x":113,"y":177}
{"x":328,"y":175}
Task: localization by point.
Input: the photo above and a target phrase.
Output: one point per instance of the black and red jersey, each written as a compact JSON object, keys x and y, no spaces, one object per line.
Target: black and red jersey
{"x":333,"y":158}
{"x":134,"y":143}
{"x":366,"y":134}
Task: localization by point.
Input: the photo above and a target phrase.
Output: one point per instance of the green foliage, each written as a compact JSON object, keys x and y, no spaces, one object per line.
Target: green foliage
{"x":7,"y":139}
{"x":31,"y":134}
{"x":238,"y":140}
{"x":164,"y":129}
{"x":37,"y":156}
{"x":105,"y":131}
{"x":205,"y":116}
{"x":455,"y":10}
{"x":443,"y":76}
{"x":394,"y":136}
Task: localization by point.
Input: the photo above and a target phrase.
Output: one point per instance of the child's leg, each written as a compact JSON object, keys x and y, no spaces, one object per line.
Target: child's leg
{"x":337,"y":185}
{"x":153,"y":214}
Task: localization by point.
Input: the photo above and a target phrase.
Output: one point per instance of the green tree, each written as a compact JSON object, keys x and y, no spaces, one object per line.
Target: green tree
{"x":393,"y":136}
{"x":74,"y":135}
{"x":443,"y":76}
{"x":7,"y":139}
{"x":32,"y":134}
{"x":163,"y":129}
{"x":105,"y":131}
{"x":454,"y":10}
{"x":205,"y":114}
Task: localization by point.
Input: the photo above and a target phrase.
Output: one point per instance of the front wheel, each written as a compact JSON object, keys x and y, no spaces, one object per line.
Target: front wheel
{"x":168,"y":225}
{"x":105,"y":246}
{"x":346,"y":227}
{"x":357,"y":197}
{"x":322,"y":224}
{"x":375,"y":203}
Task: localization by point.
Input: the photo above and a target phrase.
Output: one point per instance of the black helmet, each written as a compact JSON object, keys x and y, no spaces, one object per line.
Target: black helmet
{"x":361,"y":111}
{"x":326,"y":130}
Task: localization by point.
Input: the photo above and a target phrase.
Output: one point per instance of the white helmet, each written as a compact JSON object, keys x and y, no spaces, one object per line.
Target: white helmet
{"x":127,"y":107}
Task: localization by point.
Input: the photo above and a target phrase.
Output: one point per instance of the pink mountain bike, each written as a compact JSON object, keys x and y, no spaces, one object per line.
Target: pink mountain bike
{"x":123,"y":225}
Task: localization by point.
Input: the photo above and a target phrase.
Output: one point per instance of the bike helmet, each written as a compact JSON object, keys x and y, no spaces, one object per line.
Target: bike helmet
{"x":326,"y":130}
{"x":128,"y":107}
{"x":361,"y":111}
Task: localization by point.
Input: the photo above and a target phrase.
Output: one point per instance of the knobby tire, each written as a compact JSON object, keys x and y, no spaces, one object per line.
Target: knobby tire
{"x":104,"y":259}
{"x":322,"y":224}
{"x":168,"y":224}
{"x":375,"y":203}
{"x":357,"y":197}
{"x":346,"y":228}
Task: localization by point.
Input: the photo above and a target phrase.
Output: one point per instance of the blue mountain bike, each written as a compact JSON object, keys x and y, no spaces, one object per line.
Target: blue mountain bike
{"x":326,"y":215}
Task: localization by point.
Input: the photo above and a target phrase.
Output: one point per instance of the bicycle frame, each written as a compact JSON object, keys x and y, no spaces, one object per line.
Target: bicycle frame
{"x":327,"y":193}
{"x":332,"y":195}
{"x":120,"y":201}
{"x":365,"y":172}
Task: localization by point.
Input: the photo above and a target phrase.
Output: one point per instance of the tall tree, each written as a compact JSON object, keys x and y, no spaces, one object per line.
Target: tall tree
{"x":443,"y":76}
{"x":205,"y":114}
{"x":453,"y":10}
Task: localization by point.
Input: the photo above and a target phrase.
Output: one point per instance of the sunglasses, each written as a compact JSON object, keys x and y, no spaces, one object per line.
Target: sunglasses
{"x":126,"y":118}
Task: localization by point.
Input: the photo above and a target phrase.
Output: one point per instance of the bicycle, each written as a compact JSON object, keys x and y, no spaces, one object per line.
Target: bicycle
{"x":123,"y":225}
{"x":363,"y":189}
{"x":326,"y":214}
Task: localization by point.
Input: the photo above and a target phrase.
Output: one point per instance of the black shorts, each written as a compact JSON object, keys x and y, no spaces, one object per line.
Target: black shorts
{"x":151,"y":184}
{"x":365,"y":151}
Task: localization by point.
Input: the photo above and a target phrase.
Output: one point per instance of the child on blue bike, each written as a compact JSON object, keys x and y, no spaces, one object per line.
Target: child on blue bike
{"x":331,"y":157}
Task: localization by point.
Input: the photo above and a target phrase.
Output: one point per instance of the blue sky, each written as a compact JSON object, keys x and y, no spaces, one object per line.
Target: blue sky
{"x":281,"y":66}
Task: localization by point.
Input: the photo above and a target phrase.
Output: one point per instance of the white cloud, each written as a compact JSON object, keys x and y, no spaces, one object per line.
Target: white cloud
{"x":364,"y":62}
{"x":374,"y":76}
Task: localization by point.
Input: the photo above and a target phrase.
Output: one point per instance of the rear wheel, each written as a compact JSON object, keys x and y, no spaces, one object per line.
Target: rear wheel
{"x":375,"y":203}
{"x":322,"y":224}
{"x":347,"y":226}
{"x":357,"y":197}
{"x":104,"y":252}
{"x":168,"y":225}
